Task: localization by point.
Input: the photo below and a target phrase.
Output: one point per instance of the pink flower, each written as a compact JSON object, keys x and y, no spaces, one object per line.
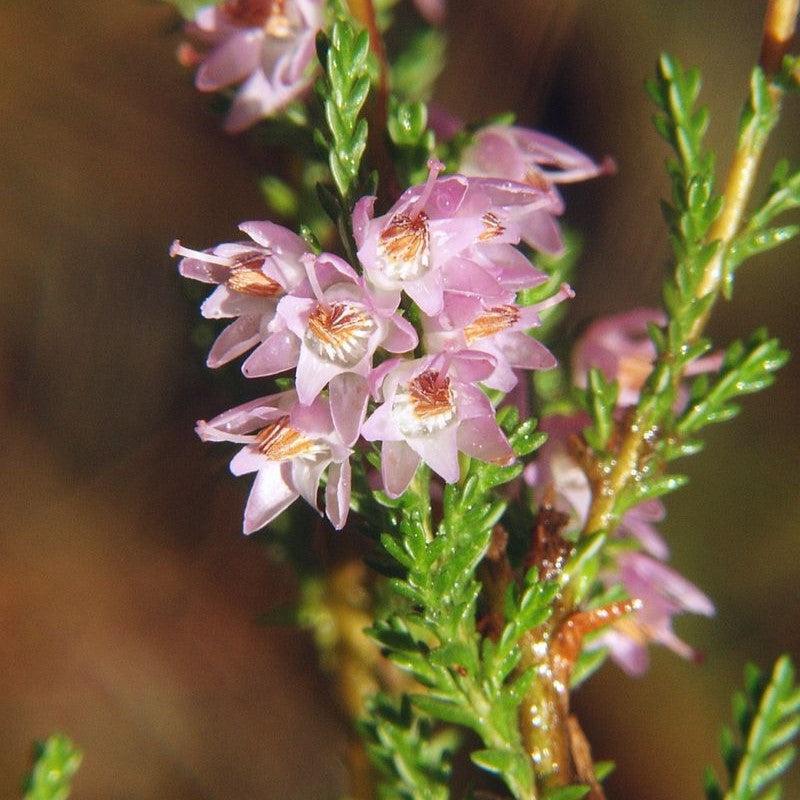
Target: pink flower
{"x":428,"y":242}
{"x":329,"y":328}
{"x":431,"y":410}
{"x":251,"y":277}
{"x":662,"y":594}
{"x":620,"y":346}
{"x":659,"y":591}
{"x":289,"y":446}
{"x":499,"y":330}
{"x":538,"y":160}
{"x":556,"y":474}
{"x":264,"y":46}
{"x":432,"y":10}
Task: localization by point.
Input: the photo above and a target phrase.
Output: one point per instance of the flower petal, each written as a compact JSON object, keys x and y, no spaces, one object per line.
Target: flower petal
{"x":237,"y":338}
{"x":278,"y":353}
{"x":525,"y":352}
{"x":231,"y":61}
{"x":439,"y":451}
{"x":348,"y":397}
{"x":381,"y":426}
{"x":269,"y":496}
{"x":401,"y":336}
{"x":337,"y":494}
{"x":398,"y":465}
{"x":481,"y":438}
{"x":313,"y":374}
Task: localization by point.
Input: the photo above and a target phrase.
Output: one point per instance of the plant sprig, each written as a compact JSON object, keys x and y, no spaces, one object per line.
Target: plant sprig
{"x":767,"y":720}
{"x":56,"y":762}
{"x":469,"y":680}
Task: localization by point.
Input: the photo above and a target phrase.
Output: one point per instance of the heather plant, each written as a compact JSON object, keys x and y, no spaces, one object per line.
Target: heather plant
{"x":495,"y":509}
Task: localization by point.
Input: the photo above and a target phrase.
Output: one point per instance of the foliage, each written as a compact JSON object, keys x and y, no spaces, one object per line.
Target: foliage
{"x":470,"y":681}
{"x":55,"y":764}
{"x":767,"y":719}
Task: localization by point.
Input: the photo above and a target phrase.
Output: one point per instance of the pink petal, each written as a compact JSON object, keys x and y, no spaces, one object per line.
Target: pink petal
{"x":269,"y":496}
{"x":439,"y":451}
{"x":293,"y":311}
{"x":466,"y":277}
{"x":398,"y":465}
{"x":231,"y":61}
{"x":306,"y":476}
{"x":252,"y":415}
{"x":525,"y":352}
{"x":313,"y":374}
{"x":363,"y":212}
{"x":432,"y":10}
{"x":237,"y":338}
{"x":493,"y":153}
{"x":471,"y":366}
{"x":472,"y":402}
{"x":401,"y":335}
{"x":631,"y":656}
{"x":224,"y":302}
{"x":278,"y":353}
{"x":540,"y":230}
{"x":247,"y":460}
{"x":481,"y":438}
{"x":381,"y":426}
{"x":348,"y":397}
{"x":275,"y":238}
{"x":512,"y":268}
{"x":426,"y":292}
{"x":337,"y":494}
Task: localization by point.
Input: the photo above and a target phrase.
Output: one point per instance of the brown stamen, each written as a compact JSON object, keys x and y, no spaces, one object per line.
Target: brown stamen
{"x":405,"y":240}
{"x":279,"y":441}
{"x":246,"y":277}
{"x":494,"y":320}
{"x":492,"y":227}
{"x":339,"y":325}
{"x":430,"y":394}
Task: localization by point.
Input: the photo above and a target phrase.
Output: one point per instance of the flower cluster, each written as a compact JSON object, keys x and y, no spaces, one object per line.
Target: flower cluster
{"x":263,"y":48}
{"x":444,"y":255}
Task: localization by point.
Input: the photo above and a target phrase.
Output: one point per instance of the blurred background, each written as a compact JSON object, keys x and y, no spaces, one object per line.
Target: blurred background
{"x":129,"y":598}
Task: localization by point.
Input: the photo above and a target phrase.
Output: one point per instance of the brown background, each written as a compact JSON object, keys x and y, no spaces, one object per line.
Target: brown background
{"x":128,"y":599}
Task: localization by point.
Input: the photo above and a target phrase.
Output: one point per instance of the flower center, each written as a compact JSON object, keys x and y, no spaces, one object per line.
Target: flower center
{"x":492,"y":228}
{"x":279,"y":441}
{"x":246,"y":277}
{"x":494,"y":320}
{"x":340,"y":331}
{"x":404,"y":246}
{"x":271,"y":15}
{"x":425,"y":405}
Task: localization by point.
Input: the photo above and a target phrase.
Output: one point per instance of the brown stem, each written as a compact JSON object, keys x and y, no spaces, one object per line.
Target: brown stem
{"x":779,"y":31}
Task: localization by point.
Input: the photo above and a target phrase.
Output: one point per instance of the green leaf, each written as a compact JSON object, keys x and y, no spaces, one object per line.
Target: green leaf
{"x":445,"y":710}
{"x":768,"y":720}
{"x":417,"y":67}
{"x":747,"y":368}
{"x":601,"y":401}
{"x":56,"y":762}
